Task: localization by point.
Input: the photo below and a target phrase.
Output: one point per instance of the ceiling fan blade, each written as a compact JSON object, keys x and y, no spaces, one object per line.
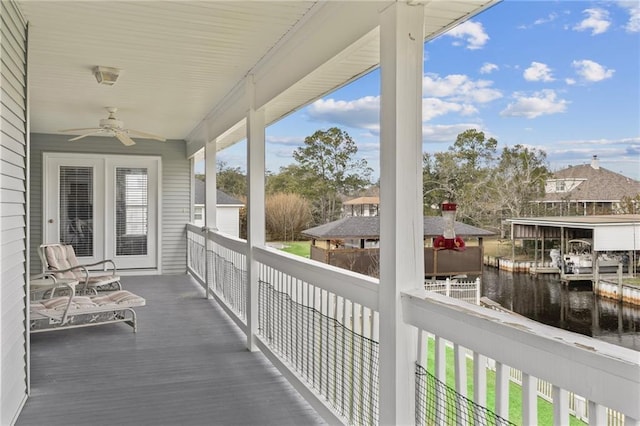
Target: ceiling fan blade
{"x":124,"y":138}
{"x":86,"y":134}
{"x":145,"y":135}
{"x":81,"y":130}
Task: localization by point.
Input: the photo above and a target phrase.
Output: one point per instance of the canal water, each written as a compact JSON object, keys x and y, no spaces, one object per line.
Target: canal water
{"x":544,"y":299}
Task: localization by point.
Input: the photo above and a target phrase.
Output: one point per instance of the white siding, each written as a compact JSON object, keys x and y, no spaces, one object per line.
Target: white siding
{"x":175,"y":198}
{"x":13,"y":214}
{"x":228,"y":220}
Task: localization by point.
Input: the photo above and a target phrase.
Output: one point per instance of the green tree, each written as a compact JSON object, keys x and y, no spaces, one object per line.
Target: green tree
{"x":327,"y":169}
{"x":629,"y":205}
{"x":474,"y":150}
{"x":231,"y":180}
{"x":288,"y":179}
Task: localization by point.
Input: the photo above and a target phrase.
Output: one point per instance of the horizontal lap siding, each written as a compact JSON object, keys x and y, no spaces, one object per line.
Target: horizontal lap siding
{"x":174,"y":198}
{"x":13,"y":219}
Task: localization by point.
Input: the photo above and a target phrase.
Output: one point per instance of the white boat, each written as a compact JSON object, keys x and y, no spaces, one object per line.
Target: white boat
{"x":579,"y":258}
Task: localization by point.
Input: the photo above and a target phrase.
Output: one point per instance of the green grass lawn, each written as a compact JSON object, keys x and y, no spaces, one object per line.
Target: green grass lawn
{"x":545,"y":408}
{"x":299,"y":248}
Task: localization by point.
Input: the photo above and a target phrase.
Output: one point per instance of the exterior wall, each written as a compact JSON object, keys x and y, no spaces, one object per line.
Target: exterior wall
{"x":13,"y":214}
{"x":228,"y":220}
{"x":436,"y":262}
{"x":175,"y":196}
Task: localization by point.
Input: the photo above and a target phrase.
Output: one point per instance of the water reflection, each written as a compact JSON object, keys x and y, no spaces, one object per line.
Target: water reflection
{"x":577,"y":309}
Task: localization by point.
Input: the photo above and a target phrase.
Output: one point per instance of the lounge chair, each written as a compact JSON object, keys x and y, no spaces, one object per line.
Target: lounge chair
{"x":73,"y":311}
{"x":61,"y":260}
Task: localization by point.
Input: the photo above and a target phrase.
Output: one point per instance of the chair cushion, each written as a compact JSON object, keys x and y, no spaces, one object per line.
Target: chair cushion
{"x":61,"y":302}
{"x":120,"y":297}
{"x":60,"y":257}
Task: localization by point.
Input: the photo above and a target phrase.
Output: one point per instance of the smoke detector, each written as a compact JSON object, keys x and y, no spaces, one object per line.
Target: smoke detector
{"x":106,"y":75}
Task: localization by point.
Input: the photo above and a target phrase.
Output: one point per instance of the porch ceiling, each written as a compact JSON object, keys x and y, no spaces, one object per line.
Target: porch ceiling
{"x":185,"y":62}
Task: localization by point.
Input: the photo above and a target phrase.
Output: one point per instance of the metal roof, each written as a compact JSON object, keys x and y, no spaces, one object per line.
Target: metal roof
{"x":578,"y":221}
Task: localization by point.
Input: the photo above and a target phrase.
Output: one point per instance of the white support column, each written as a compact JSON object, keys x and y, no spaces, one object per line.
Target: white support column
{"x":255,"y":207}
{"x":210,"y":196}
{"x":210,"y":206}
{"x":401,"y":222}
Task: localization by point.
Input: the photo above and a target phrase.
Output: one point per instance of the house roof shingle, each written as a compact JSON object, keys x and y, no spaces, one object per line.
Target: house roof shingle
{"x":369,"y":227}
{"x":599,"y":184}
{"x":363,"y":200}
{"x":222,"y":198}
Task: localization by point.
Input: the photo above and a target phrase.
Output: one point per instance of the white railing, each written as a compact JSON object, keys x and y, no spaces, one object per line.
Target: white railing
{"x":322,"y":322}
{"x":221,"y":268}
{"x":606,"y":375}
{"x":469,"y":291}
{"x":319,"y":326}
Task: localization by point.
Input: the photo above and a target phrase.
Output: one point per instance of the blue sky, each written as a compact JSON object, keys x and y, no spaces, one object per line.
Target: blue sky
{"x":560,"y":76}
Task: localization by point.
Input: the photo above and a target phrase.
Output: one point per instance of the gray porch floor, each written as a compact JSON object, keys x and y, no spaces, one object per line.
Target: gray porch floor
{"x":186,"y":365}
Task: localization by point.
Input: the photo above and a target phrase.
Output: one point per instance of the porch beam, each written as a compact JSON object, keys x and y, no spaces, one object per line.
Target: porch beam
{"x":255,"y":207}
{"x":401,"y":223}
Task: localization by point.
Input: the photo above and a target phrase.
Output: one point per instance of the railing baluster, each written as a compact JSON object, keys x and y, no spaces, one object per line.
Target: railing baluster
{"x":529,"y":399}
{"x":460,"y":372}
{"x":440,"y":363}
{"x":502,"y":390}
{"x":597,"y":414}
{"x":480,"y":385}
{"x":560,"y":406}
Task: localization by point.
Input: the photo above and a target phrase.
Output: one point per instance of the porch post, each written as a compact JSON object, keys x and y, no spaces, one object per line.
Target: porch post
{"x":401,"y":219}
{"x":210,"y":206}
{"x":210,"y":194}
{"x":255,"y":208}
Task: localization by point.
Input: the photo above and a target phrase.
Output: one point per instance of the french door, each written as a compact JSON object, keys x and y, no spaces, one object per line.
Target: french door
{"x":105,"y":206}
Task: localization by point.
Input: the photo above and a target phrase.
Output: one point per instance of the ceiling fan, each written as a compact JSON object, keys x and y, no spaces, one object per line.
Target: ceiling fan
{"x":111,"y":126}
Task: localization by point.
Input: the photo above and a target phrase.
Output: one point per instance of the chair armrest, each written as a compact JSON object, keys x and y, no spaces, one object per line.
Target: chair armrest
{"x":72,"y":293}
{"x":101,"y":262}
{"x":46,"y":274}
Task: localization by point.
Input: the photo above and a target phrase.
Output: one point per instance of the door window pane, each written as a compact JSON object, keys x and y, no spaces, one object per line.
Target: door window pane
{"x":76,"y":209}
{"x":132,"y":211}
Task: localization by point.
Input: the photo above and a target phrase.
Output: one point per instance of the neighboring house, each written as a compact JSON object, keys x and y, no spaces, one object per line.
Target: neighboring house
{"x":227,"y":210}
{"x":361,"y":206}
{"x":353,"y":243}
{"x":587,"y":190}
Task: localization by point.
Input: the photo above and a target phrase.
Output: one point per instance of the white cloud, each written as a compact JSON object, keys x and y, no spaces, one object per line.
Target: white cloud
{"x":447,"y":132}
{"x":570,"y":81}
{"x":538,"y":72}
{"x":591,"y":71}
{"x":540,"y":103}
{"x":597,"y":21}
{"x":453,"y":94}
{"x":361,"y":113}
{"x":488,"y":68}
{"x":285,"y":140}
{"x":434,"y":107}
{"x":460,"y":88}
{"x":633,"y":8}
{"x":549,"y":18}
{"x":471,"y":32}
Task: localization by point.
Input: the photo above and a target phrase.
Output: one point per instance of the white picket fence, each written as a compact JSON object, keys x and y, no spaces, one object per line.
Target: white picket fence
{"x":469,"y":291}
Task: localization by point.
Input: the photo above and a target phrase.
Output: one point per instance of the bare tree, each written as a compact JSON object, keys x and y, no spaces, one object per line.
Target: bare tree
{"x":286,"y":215}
